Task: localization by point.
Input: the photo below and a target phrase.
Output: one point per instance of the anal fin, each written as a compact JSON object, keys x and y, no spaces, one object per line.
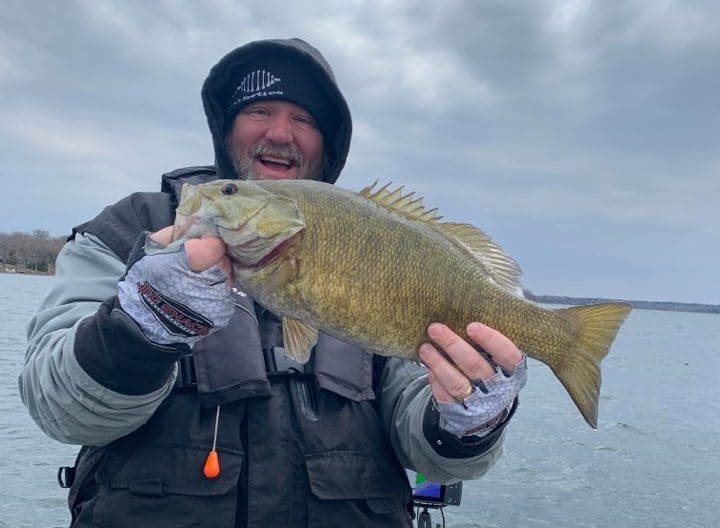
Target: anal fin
{"x":299,"y":339}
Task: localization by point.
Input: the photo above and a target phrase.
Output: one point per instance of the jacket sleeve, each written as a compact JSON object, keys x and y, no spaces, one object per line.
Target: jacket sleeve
{"x":90,"y":376}
{"x":412,"y":423}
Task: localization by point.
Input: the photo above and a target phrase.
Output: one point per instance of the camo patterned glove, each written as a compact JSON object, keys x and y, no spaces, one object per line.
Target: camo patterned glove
{"x":487,"y":406}
{"x":170,"y":302}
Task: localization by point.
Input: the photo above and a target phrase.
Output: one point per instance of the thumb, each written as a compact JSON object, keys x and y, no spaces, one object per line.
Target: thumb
{"x":204,"y":253}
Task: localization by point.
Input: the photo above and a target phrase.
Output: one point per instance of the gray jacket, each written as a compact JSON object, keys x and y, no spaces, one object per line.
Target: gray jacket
{"x":70,"y":406}
{"x":92,"y":379}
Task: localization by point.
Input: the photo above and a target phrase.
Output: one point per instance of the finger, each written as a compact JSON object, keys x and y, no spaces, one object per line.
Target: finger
{"x":204,"y":252}
{"x":438,"y":391}
{"x":469,"y":360}
{"x":455,"y":385}
{"x":163,"y":236}
{"x":501,"y":349}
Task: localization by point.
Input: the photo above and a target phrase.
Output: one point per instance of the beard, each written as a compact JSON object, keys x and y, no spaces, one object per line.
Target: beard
{"x":244,"y":164}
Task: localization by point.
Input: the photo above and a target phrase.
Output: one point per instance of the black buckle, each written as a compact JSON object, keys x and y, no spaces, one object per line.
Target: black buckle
{"x":186,"y":376}
{"x":65,"y":476}
{"x":279,"y":363}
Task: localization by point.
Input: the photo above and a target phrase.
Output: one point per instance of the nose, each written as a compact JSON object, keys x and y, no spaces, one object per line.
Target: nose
{"x":279,"y":130}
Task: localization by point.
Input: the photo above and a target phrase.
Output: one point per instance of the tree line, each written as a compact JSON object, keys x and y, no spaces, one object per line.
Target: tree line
{"x":24,"y":252}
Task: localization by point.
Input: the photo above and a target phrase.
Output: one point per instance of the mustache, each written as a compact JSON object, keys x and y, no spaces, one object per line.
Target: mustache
{"x":288,"y":151}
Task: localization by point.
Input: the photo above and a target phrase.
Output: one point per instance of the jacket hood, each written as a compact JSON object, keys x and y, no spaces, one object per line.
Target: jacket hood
{"x":226,"y":75}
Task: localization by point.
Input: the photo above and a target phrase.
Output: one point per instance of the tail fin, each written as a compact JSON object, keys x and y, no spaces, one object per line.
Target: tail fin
{"x":598,"y":325}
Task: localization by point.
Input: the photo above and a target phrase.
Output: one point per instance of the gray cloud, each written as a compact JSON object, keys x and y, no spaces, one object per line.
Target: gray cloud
{"x":581,"y":134}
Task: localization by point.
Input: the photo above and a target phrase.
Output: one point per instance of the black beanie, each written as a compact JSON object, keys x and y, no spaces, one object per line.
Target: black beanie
{"x":282,"y":77}
{"x":306,"y":79}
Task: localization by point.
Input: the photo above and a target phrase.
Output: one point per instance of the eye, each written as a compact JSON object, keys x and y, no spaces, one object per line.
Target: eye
{"x":257,"y":110}
{"x":229,"y":189}
{"x":305,"y":120}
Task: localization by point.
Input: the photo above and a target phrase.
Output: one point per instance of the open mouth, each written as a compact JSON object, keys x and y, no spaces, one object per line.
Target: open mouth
{"x":276,"y":163}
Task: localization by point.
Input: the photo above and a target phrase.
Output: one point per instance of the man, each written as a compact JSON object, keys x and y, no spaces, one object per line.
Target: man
{"x":189,"y":411}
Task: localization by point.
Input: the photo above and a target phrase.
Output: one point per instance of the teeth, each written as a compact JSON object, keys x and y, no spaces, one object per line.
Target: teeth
{"x":277,"y":160}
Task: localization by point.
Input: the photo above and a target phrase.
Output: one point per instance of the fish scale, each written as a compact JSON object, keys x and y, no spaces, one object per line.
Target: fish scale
{"x":376,"y":268}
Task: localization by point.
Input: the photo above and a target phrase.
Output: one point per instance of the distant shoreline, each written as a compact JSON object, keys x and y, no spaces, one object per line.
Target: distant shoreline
{"x":666,"y":306}
{"x":25,"y":272}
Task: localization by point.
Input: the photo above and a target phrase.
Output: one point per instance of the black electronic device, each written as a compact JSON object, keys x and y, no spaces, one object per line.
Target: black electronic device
{"x":434,"y":495}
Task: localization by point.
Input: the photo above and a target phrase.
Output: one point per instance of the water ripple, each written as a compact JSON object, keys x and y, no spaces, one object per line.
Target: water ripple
{"x":654,"y":460}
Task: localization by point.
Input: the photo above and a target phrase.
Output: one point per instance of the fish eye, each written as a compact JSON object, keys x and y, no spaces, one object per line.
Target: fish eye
{"x":229,"y":189}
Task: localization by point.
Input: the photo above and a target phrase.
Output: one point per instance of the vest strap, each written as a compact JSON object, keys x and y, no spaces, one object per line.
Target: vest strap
{"x":277,"y":364}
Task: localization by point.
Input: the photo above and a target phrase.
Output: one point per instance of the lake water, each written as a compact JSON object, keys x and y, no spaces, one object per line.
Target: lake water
{"x":653,"y":462}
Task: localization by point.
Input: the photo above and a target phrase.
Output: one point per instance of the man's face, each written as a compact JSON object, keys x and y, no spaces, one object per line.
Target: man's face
{"x":275,"y":140}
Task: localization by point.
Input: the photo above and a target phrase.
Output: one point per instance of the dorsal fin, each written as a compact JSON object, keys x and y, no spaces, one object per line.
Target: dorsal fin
{"x":499,"y":266}
{"x":405,"y":205}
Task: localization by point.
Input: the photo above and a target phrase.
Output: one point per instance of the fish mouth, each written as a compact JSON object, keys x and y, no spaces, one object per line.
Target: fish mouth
{"x":240,"y":252}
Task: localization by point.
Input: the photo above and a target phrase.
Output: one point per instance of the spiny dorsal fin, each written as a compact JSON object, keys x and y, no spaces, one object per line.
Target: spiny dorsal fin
{"x":405,"y":205}
{"x":500,"y":267}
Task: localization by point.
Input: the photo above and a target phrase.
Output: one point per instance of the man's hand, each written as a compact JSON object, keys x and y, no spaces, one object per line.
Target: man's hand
{"x":203,"y":253}
{"x":472,"y":395}
{"x":177,"y":292}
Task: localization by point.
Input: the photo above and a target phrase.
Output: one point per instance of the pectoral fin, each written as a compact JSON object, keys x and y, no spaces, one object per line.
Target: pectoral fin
{"x":286,"y":272}
{"x":299,"y":339}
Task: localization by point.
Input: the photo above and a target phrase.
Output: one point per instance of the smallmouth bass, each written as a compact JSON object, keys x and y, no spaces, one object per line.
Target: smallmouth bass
{"x":376,"y":268}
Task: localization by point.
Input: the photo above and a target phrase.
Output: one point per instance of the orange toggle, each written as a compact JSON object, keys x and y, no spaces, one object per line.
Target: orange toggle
{"x":212,"y":465}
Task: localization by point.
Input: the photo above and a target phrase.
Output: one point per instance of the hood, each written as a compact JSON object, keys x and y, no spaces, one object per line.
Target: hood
{"x":225,"y":76}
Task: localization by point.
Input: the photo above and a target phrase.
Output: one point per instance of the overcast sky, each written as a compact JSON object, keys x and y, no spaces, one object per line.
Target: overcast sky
{"x":582,"y":136}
